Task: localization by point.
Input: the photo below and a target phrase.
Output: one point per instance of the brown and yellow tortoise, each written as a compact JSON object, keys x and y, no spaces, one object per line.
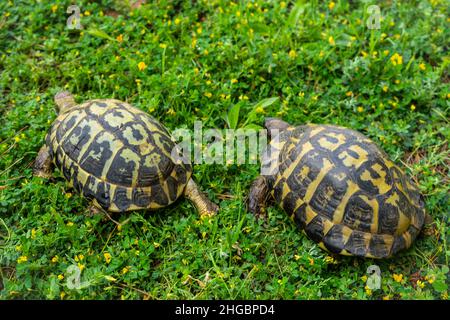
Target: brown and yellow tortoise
{"x":341,"y":189}
{"x":117,"y":156}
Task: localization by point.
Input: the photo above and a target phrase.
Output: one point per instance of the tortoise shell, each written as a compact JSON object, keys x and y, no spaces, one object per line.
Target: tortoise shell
{"x":344,"y":192}
{"x":117,"y":156}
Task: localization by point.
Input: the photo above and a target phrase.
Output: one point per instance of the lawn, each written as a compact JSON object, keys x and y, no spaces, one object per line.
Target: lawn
{"x":183,"y":61}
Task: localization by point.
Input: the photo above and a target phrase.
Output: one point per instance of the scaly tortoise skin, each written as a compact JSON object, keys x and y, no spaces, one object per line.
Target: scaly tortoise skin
{"x":117,"y":156}
{"x":341,"y":189}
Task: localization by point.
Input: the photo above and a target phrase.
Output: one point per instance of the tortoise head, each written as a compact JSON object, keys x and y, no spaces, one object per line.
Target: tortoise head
{"x":274,"y":125}
{"x":64,"y":101}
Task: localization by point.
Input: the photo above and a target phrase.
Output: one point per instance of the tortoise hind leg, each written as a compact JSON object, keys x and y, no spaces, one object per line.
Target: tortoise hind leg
{"x":204,"y":206}
{"x":43,"y":164}
{"x":259,"y":192}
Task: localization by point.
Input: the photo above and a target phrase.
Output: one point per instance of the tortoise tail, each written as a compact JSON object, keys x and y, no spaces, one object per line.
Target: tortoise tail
{"x":341,"y":239}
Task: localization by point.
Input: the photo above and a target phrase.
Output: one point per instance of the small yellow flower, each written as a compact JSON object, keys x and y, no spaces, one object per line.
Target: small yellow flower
{"x":259,"y":110}
{"x":413,"y":107}
{"x":311,"y":261}
{"x":396,"y":59}
{"x":349,"y":93}
{"x":292,"y":54}
{"x":55,"y":259}
{"x":422,"y":66}
{"x":233,"y":81}
{"x":385,"y":88}
{"x":331,"y":40}
{"x":156,"y":244}
{"x":177,"y":21}
{"x":119,"y":38}
{"x":397,"y":277}
{"x":38,"y":98}
{"x":368,"y":291}
{"x":386,"y":52}
{"x":199,"y":30}
{"x":54,"y":8}
{"x":22,"y":259}
{"x":296,"y":257}
{"x":87,"y":13}
{"x":364,"y":278}
{"x":60,"y":276}
{"x":19,"y":248}
{"x":117,"y":58}
{"x":444,"y":295}
{"x":205,"y":52}
{"x":80,"y":256}
{"x":17,"y":139}
{"x":208,"y":94}
{"x":141,"y":66}
{"x":420,"y":284}
{"x":126,"y":269}
{"x":301,"y":94}
{"x":69,"y":224}
{"x":386,"y":298}
{"x":397,"y":81}
{"x":331,"y":5}
{"x":330,"y":260}
{"x":62,"y":295}
{"x":163,"y":45}
{"x":33,"y":233}
{"x":283,"y":4}
{"x":107,"y":257}
{"x":68,"y":195}
{"x":81,"y":266}
{"x":243,"y":97}
{"x":238,"y":13}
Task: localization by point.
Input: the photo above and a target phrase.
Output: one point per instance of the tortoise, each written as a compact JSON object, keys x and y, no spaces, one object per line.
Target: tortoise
{"x":339,"y":188}
{"x":117,"y":156}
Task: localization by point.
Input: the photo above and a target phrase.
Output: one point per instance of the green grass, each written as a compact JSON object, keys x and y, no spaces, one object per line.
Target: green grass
{"x":322,"y":62}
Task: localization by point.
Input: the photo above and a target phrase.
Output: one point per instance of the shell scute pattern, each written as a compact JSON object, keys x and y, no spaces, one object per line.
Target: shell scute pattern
{"x":345,"y":193}
{"x":117,"y":156}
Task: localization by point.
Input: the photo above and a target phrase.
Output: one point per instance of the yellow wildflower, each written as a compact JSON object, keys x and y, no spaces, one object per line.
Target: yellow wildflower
{"x":62,"y":295}
{"x":33,"y":233}
{"x":364,"y":278}
{"x":22,"y":259}
{"x":360,"y":109}
{"x":119,"y":38}
{"x":292,"y":54}
{"x":386,"y":52}
{"x":60,"y":276}
{"x":386,"y":298}
{"x":80,"y":256}
{"x":54,"y":8}
{"x":397,"y":277}
{"x":126,"y":269}
{"x":396,"y":59}
{"x":156,"y":244}
{"x":311,"y":261}
{"x":385,"y":88}
{"x":55,"y":259}
{"x":259,"y":110}
{"x":208,"y":94}
{"x":107,"y":257}
{"x":349,"y":93}
{"x":87,"y":13}
{"x":177,"y":21}
{"x":81,"y":266}
{"x":234,"y":81}
{"x":163,"y":45}
{"x":368,"y":291}
{"x":199,"y":30}
{"x":331,"y":40}
{"x":69,"y":224}
{"x":296,"y":257}
{"x":38,"y":98}
{"x":141,"y":66}
{"x":301,"y":94}
{"x":420,"y":284}
{"x":422,"y":66}
{"x":283,"y":4}
{"x":331,"y":5}
{"x":413,"y":107}
{"x":397,"y":81}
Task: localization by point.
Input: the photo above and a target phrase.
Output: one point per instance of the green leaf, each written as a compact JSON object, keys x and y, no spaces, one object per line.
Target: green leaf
{"x":100,"y":34}
{"x":233,"y":116}
{"x":265,"y":103}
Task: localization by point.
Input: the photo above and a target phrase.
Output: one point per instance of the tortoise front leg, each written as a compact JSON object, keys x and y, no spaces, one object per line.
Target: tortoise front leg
{"x":259,"y":192}
{"x":43,"y":164}
{"x":204,"y":206}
